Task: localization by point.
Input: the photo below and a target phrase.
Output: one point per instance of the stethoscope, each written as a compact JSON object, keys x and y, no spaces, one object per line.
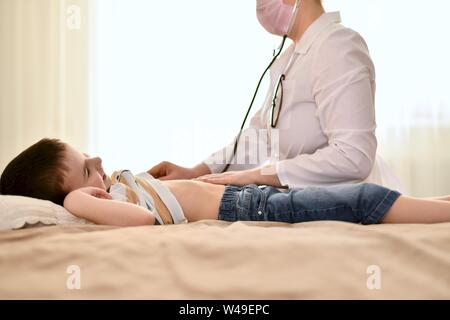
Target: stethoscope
{"x":276,"y":54}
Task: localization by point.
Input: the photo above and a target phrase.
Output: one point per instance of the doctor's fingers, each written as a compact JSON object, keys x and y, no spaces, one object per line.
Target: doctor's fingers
{"x":160,"y":169}
{"x":215,"y":175}
{"x":234,"y":180}
{"x":221,"y":181}
{"x":220,"y":178}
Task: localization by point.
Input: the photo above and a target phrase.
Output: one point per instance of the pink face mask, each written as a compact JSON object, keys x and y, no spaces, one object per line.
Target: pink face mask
{"x":274,"y":16}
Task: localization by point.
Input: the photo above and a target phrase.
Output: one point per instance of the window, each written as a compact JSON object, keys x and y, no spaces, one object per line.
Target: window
{"x":172,"y":80}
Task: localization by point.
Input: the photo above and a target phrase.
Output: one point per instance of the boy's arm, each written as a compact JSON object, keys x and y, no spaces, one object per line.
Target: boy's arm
{"x":95,"y":205}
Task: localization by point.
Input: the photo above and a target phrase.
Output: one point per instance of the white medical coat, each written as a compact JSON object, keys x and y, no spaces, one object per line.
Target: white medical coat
{"x":326,"y":131}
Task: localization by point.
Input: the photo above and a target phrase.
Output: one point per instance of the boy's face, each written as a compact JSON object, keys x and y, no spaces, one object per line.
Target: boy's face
{"x":84,"y":171}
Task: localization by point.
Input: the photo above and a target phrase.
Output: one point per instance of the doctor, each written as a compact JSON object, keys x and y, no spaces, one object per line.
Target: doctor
{"x":319,"y":112}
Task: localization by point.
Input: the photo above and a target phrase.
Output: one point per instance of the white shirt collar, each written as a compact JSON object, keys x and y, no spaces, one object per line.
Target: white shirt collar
{"x":315,"y":29}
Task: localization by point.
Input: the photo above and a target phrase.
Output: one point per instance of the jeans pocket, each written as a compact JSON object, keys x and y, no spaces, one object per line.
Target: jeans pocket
{"x":248,"y":200}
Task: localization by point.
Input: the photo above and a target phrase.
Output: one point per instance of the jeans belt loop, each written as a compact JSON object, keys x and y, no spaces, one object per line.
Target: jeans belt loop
{"x":262,"y":203}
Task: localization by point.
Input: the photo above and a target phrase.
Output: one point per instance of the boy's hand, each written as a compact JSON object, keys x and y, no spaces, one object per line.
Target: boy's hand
{"x":96,"y":192}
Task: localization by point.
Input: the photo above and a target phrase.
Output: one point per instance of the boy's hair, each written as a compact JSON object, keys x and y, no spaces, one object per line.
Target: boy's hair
{"x":37,"y":172}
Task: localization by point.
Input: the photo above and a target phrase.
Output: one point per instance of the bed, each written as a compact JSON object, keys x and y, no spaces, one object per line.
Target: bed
{"x":220,"y":260}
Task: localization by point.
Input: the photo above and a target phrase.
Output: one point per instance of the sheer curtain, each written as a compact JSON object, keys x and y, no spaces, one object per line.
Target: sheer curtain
{"x":408,"y":42}
{"x":44,"y":64}
{"x":172,"y":80}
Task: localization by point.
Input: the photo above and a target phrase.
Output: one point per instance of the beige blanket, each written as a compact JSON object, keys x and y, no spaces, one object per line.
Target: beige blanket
{"x":219,"y":260}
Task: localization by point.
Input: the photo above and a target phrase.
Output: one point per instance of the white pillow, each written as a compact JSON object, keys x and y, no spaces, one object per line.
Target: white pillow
{"x":22,"y":212}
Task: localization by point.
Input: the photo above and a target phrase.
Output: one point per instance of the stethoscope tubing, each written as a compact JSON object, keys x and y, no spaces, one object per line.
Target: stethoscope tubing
{"x":280,"y":49}
{"x":275,"y":57}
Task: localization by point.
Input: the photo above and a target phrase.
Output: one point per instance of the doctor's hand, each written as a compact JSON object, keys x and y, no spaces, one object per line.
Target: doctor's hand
{"x":169,"y":171}
{"x":258,"y":176}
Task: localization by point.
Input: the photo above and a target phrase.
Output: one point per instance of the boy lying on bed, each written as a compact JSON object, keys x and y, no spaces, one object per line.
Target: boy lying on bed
{"x":55,"y":171}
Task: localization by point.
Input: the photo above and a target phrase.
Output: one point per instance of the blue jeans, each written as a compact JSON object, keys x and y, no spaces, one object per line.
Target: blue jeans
{"x":364,"y":203}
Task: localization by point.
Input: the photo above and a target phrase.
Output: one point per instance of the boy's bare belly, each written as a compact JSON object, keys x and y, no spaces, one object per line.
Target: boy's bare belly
{"x":199,"y":200}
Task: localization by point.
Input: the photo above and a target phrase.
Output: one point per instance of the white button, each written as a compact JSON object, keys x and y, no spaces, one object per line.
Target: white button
{"x":260,"y":212}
